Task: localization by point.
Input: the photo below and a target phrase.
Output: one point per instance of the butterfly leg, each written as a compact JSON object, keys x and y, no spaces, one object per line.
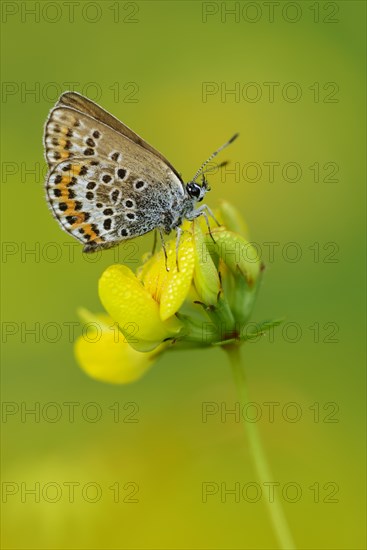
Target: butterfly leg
{"x":202,"y":211}
{"x":154,"y":242}
{"x":178,"y":237}
{"x":164,"y":248}
{"x":210,"y":212}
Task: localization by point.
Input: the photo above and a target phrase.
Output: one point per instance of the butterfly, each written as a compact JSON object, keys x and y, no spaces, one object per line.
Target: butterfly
{"x":106,"y":184}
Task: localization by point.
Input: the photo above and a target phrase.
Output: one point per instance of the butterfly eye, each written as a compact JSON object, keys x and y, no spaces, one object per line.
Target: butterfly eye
{"x":194,"y":190}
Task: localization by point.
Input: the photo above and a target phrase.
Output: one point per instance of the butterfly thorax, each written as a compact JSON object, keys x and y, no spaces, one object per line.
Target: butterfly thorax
{"x":182,"y":208}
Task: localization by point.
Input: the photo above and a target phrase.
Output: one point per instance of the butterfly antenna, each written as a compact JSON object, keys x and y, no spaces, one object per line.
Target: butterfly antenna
{"x":215,"y":167}
{"x":214,"y":155}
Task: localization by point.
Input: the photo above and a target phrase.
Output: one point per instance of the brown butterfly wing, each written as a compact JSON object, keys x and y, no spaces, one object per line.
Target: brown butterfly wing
{"x":102,"y":186}
{"x":88,"y":107}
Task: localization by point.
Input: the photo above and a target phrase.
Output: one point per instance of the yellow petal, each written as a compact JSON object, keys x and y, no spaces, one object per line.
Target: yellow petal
{"x":231,"y":218}
{"x":101,"y":319}
{"x":103,"y":353}
{"x":133,"y":308}
{"x":170,"y":288}
{"x":206,"y":277}
{"x":236,"y":252}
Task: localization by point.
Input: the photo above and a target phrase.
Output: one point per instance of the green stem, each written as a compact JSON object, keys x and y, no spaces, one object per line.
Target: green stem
{"x":277,"y":516}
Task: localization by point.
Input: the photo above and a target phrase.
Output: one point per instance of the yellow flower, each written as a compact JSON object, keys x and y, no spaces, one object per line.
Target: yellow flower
{"x":206,"y":301}
{"x":169,"y":288}
{"x":206,"y":276}
{"x":145,"y":306}
{"x":104,"y":354}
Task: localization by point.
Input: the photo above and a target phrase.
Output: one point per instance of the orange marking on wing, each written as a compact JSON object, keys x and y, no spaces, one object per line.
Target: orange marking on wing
{"x":63,"y":186}
{"x":70,"y":211}
{"x":75,"y":169}
{"x":80,"y":218}
{"x":89,"y":231}
{"x":64,"y":194}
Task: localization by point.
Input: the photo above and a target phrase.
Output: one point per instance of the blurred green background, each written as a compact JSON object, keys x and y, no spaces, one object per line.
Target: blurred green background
{"x":166,"y":69}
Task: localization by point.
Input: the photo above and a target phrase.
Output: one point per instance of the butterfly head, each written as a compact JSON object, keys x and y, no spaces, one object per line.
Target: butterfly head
{"x":197,"y":192}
